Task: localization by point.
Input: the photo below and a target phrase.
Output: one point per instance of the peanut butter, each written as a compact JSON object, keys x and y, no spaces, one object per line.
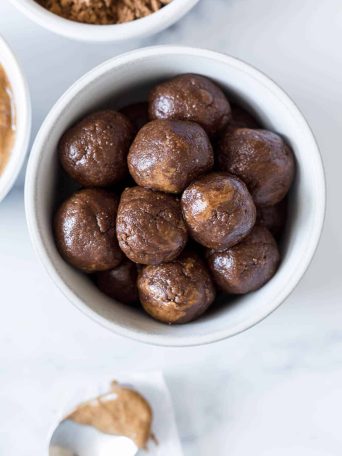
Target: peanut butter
{"x":122,"y":411}
{"x":6,"y":119}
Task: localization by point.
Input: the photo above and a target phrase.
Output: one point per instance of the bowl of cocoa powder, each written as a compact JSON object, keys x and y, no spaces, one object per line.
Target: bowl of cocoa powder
{"x":104,"y":20}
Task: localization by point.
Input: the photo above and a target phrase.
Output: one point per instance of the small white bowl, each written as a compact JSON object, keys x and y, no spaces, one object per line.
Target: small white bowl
{"x":140,"y":28}
{"x":128,"y":77}
{"x":22,"y":104}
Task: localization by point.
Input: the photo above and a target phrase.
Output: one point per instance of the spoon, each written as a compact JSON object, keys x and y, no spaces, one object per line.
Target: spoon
{"x":72,"y":439}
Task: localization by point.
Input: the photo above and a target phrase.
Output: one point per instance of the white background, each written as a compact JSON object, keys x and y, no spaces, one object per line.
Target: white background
{"x":275,"y":390}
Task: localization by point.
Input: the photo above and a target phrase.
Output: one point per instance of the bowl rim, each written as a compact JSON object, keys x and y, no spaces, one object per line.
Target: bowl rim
{"x":138,"y":28}
{"x":32,"y":218}
{"x":22,"y":135}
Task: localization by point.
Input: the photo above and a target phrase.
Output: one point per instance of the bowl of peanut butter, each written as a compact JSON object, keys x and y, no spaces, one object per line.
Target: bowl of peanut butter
{"x":15,"y":118}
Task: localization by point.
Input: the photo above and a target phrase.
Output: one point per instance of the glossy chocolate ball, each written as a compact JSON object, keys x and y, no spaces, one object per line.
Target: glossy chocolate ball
{"x":176,"y":292}
{"x":248,"y":265}
{"x":167,"y":155}
{"x":137,"y":113}
{"x":261,"y":159}
{"x":85,"y":230}
{"x":218,"y":210}
{"x":94,"y":151}
{"x":120,"y":283}
{"x":191,"y":97}
{"x":273,"y":217}
{"x":241,"y":118}
{"x":150,"y":226}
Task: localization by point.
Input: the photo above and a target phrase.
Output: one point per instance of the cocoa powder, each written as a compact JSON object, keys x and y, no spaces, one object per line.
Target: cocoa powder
{"x":103,"y":12}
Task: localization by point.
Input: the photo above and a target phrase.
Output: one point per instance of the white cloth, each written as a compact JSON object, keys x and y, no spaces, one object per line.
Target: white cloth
{"x":70,"y":390}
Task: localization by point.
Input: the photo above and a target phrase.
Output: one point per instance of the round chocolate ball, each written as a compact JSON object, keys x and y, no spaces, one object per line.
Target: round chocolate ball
{"x":176,"y":292}
{"x":191,"y":97}
{"x":241,"y":118}
{"x":120,"y":283}
{"x":167,"y":155}
{"x":248,"y":265}
{"x":85,"y":230}
{"x":219,"y":210}
{"x":150,"y":226}
{"x":94,"y":151}
{"x":273,"y":217}
{"x":137,"y":113}
{"x":261,"y":159}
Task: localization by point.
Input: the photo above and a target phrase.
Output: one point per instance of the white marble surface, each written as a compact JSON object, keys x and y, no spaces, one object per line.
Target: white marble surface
{"x":275,"y":390}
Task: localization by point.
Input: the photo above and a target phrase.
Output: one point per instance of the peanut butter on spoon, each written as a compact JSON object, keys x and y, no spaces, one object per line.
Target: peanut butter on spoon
{"x":6,"y":120}
{"x":122,"y":411}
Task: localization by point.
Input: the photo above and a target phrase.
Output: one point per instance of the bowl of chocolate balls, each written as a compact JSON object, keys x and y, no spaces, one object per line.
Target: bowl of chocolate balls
{"x":175,"y":195}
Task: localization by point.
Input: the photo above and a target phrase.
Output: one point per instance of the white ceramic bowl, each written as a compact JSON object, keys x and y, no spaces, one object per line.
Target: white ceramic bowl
{"x":126,"y":78}
{"x":22,"y":103}
{"x":141,"y":28}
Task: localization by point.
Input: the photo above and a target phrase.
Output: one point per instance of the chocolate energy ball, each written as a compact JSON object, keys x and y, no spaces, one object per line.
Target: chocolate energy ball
{"x":85,"y":230}
{"x":191,"y":97}
{"x":242,"y":118}
{"x":176,"y":292}
{"x":246,"y":266}
{"x":273,"y":217}
{"x":167,"y":155}
{"x":137,"y":113}
{"x":120,"y":283}
{"x":261,"y":159}
{"x":94,"y":151}
{"x":219,"y":210}
{"x":150,"y":226}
